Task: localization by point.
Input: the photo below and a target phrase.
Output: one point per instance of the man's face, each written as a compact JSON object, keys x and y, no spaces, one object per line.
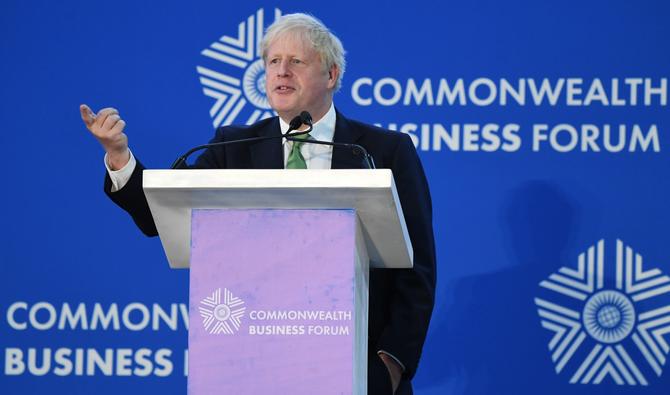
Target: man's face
{"x":296,"y":79}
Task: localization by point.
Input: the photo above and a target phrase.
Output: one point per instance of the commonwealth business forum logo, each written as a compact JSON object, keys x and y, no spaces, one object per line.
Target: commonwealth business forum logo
{"x":233,"y":74}
{"x":607,"y":328}
{"x":221,"y":314}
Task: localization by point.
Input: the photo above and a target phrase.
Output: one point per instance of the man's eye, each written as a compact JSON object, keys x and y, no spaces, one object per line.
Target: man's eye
{"x":296,"y":61}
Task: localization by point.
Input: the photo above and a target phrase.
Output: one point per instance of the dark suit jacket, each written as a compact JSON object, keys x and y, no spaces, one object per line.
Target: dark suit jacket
{"x":401,"y":300}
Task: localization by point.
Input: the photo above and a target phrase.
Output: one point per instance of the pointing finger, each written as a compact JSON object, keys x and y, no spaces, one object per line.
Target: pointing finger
{"x":87,"y":115}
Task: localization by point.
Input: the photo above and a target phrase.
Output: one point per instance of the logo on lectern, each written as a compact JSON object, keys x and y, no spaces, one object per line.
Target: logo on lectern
{"x":221,"y":315}
{"x":235,"y":75}
{"x":607,"y":331}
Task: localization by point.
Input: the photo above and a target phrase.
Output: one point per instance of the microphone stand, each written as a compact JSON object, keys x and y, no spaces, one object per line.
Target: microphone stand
{"x":357,"y":149}
{"x":180,"y":163}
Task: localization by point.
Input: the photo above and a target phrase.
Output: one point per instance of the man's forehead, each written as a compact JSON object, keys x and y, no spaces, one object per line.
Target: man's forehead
{"x":292,"y":41}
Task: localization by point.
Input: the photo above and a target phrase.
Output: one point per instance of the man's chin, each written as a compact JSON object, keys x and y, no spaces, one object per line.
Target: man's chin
{"x":286,"y":112}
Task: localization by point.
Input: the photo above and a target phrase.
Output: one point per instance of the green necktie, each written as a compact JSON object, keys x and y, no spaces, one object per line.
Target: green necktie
{"x":295,"y":159}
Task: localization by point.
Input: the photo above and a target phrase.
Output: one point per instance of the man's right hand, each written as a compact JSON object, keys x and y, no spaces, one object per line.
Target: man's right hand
{"x":107,"y":127}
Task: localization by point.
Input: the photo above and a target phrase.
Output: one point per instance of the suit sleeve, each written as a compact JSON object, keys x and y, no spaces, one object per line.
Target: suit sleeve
{"x":131,"y":197}
{"x":413,"y":294}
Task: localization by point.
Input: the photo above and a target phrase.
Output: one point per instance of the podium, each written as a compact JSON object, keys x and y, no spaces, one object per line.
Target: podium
{"x":279,"y":262}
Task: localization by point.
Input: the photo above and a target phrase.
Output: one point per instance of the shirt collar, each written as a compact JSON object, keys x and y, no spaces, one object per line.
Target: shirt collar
{"x":323,"y":129}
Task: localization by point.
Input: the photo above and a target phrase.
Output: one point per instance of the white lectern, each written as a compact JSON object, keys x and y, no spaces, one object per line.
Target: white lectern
{"x":279,"y":272}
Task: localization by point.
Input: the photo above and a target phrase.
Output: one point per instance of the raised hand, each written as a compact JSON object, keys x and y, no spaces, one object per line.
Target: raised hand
{"x":107,"y":127}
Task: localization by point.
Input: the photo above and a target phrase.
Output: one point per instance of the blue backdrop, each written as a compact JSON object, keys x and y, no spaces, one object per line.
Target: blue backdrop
{"x":541,"y":125}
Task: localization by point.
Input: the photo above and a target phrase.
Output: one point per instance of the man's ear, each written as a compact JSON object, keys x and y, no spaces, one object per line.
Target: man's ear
{"x":333,"y":74}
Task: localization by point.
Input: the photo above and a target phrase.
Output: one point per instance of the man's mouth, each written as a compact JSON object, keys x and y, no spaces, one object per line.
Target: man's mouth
{"x":284,"y":88}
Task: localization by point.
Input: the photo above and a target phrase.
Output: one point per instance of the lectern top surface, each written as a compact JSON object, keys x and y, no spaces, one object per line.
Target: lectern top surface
{"x":172,"y":194}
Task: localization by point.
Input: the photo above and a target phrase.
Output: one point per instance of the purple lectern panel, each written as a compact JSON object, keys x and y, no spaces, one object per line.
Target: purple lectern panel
{"x":271,"y":302}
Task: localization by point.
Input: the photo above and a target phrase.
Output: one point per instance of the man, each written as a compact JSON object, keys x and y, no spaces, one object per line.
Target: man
{"x":304,"y":65}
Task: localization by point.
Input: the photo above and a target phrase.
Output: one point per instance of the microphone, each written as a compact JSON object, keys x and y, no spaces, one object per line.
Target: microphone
{"x":356,"y":149}
{"x":304,"y":118}
{"x":296,"y":122}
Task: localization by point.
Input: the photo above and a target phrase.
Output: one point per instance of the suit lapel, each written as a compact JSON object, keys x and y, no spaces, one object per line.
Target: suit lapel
{"x":344,"y":133}
{"x":268,"y":154}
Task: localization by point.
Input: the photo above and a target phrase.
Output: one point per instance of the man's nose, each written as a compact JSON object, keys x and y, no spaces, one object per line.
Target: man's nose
{"x":283,"y":69}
